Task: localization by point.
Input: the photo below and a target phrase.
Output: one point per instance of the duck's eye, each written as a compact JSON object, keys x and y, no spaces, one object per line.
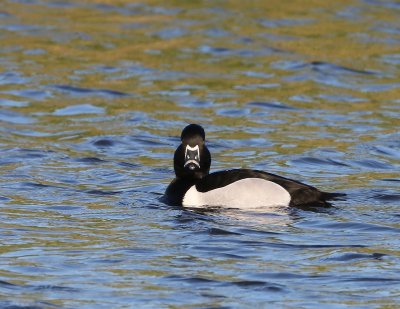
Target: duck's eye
{"x":196,"y":157}
{"x":187,"y":157}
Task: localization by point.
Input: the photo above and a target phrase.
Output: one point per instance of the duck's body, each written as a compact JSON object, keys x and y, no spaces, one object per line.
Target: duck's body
{"x":238,"y":188}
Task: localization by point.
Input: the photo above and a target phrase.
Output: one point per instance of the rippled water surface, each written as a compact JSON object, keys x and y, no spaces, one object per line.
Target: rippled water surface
{"x":93,"y":96}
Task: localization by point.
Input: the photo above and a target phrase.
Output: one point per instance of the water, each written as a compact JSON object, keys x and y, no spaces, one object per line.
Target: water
{"x":93,"y":96}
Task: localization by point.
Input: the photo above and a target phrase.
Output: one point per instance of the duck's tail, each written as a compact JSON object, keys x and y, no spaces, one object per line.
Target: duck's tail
{"x":335,"y":196}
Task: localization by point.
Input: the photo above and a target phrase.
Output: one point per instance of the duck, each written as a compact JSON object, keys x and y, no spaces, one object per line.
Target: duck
{"x":195,"y":187}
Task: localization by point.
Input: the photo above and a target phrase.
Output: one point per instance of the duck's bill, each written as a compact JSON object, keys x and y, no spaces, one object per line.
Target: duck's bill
{"x":192,"y":165}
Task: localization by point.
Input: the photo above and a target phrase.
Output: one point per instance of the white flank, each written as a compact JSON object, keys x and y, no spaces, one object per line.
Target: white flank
{"x":246,"y":193}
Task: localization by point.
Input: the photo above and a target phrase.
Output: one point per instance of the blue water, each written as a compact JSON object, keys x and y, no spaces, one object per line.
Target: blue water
{"x":93,"y":97}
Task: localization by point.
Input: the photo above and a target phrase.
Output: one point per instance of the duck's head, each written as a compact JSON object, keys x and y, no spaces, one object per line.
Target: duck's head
{"x":192,"y":158}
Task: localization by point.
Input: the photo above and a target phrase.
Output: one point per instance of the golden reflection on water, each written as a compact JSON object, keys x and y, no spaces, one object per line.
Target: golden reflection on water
{"x":125,"y":46}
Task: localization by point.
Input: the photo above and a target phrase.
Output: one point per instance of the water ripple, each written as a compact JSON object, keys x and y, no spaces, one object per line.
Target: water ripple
{"x":88,"y":91}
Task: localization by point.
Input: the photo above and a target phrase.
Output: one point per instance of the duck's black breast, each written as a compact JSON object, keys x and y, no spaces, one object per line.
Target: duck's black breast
{"x":300,"y":193}
{"x":176,"y":190}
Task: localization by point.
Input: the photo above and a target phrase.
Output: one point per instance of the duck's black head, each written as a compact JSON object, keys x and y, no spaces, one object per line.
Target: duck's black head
{"x":192,"y":158}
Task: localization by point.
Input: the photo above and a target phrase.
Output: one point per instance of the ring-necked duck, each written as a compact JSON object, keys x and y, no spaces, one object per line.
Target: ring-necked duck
{"x":237,"y":188}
